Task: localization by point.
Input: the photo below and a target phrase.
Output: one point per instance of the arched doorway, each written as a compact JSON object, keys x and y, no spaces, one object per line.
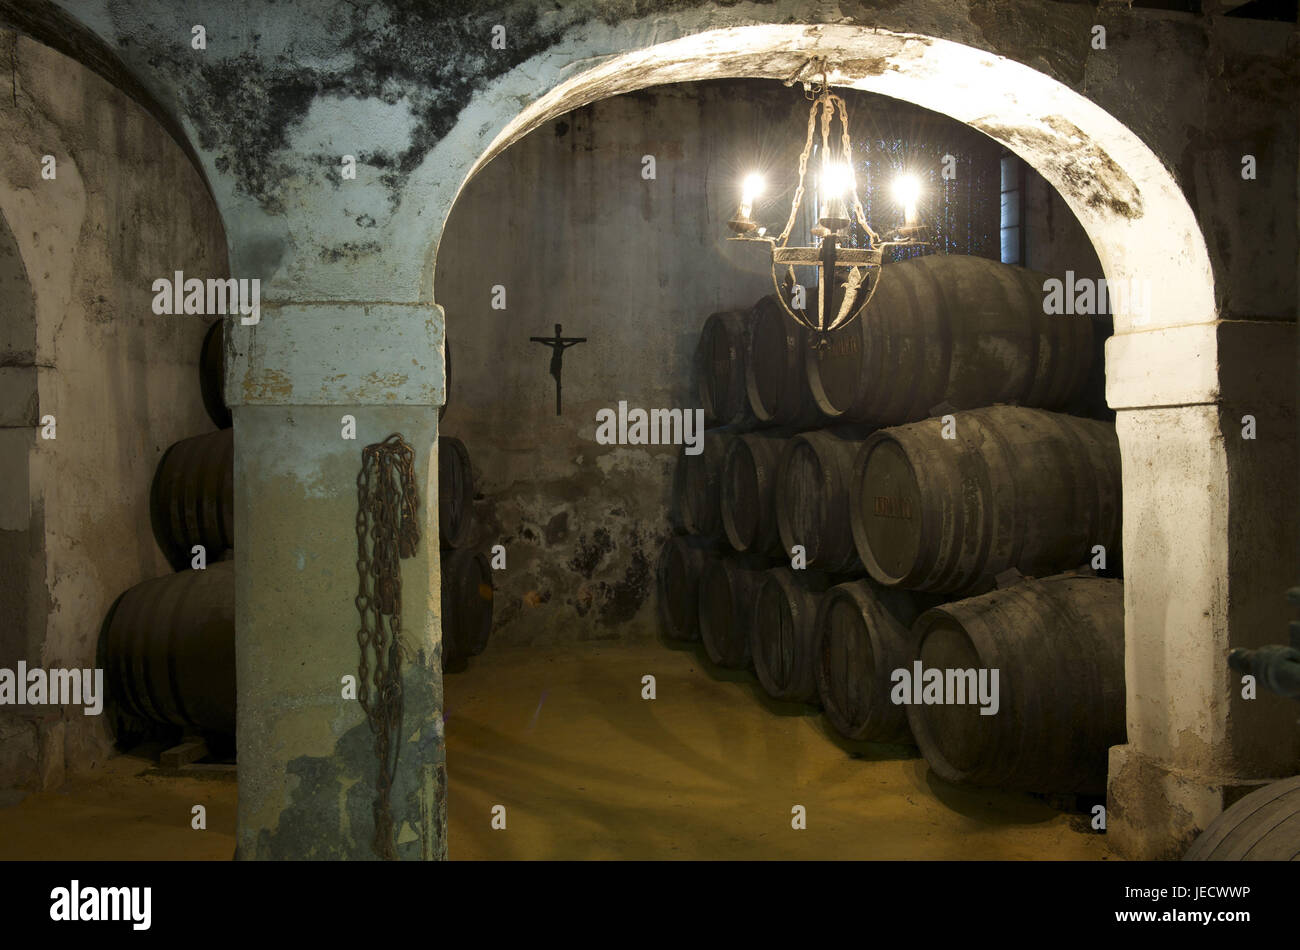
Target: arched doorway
{"x":1143,"y":231}
{"x":1130,"y":205}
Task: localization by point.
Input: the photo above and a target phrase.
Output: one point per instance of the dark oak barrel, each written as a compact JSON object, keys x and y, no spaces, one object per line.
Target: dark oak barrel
{"x":192,"y":499}
{"x":747,"y":489}
{"x":728,"y":589}
{"x":783,"y":636}
{"x":466,"y":604}
{"x":1263,"y":826}
{"x":1058,"y":647}
{"x":212,"y":375}
{"x":681,"y":565}
{"x":812,"y":496}
{"x":863,"y":635}
{"x":776,"y":377}
{"x":455,"y":493}
{"x":720,"y":367}
{"x":951,"y":328}
{"x":1018,"y":488}
{"x":169,"y":648}
{"x":696,"y":481}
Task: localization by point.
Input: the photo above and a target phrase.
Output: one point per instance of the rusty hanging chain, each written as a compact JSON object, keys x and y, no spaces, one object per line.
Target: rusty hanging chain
{"x":387,"y":531}
{"x":828,"y":106}
{"x":857,"y":274}
{"x":847,"y":146}
{"x":803,"y":170}
{"x":818,"y":64}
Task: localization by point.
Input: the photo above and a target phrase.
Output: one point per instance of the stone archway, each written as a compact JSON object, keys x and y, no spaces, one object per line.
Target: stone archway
{"x":1127,"y":201}
{"x":1170,"y":780}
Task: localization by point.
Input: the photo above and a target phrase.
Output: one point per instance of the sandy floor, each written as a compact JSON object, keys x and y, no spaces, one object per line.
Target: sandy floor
{"x":711,"y":768}
{"x":586,"y":768}
{"x":120,"y":811}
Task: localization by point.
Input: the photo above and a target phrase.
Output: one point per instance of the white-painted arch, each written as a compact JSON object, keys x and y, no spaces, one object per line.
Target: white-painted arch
{"x":1166,"y":382}
{"x":1128,"y":202}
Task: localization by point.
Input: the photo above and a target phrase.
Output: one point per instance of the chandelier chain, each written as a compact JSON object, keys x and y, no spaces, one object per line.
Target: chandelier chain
{"x":862,"y":263}
{"x":848,"y":159}
{"x":803,"y":170}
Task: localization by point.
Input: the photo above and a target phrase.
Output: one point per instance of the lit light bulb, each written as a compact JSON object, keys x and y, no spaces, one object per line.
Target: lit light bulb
{"x":837,"y":179}
{"x":750,"y":188}
{"x":907,"y":191}
{"x":836,"y":184}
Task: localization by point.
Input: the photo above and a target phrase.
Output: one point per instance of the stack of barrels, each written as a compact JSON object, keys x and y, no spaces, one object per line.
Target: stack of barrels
{"x":168,"y":647}
{"x":913,"y":490}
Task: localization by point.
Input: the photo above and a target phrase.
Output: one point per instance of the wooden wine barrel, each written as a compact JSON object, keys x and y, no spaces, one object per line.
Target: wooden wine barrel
{"x":720,"y":367}
{"x":776,"y":378}
{"x":192,"y":499}
{"x":212,"y":375}
{"x":466,"y":604}
{"x":1262,"y":826}
{"x":169,"y":648}
{"x":812,"y":496}
{"x":681,"y":565}
{"x":1016,"y":488}
{"x":783,"y":636}
{"x":455,"y":493}
{"x":746,"y":492}
{"x":863,"y":635}
{"x":728,"y":589}
{"x":1058,"y":647}
{"x":951,"y":328}
{"x":696,"y":483}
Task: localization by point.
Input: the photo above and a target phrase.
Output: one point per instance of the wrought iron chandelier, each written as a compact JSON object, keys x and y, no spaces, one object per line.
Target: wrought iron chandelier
{"x":840,"y":299}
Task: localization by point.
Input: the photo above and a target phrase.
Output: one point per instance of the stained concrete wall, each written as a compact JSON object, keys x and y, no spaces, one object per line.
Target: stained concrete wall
{"x":125,"y":207}
{"x":565,"y":222}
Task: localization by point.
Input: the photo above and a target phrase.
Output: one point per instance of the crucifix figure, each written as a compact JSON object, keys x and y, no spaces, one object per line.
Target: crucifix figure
{"x":558,"y":345}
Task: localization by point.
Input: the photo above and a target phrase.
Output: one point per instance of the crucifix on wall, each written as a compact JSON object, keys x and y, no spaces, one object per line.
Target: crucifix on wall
{"x":558,"y":345}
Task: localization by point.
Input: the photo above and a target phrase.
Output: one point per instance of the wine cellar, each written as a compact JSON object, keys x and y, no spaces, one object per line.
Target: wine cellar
{"x":872,"y":436}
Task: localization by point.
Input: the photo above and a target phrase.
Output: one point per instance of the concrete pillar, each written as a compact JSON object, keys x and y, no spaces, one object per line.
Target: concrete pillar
{"x":1209,"y":552}
{"x":307,"y":764}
